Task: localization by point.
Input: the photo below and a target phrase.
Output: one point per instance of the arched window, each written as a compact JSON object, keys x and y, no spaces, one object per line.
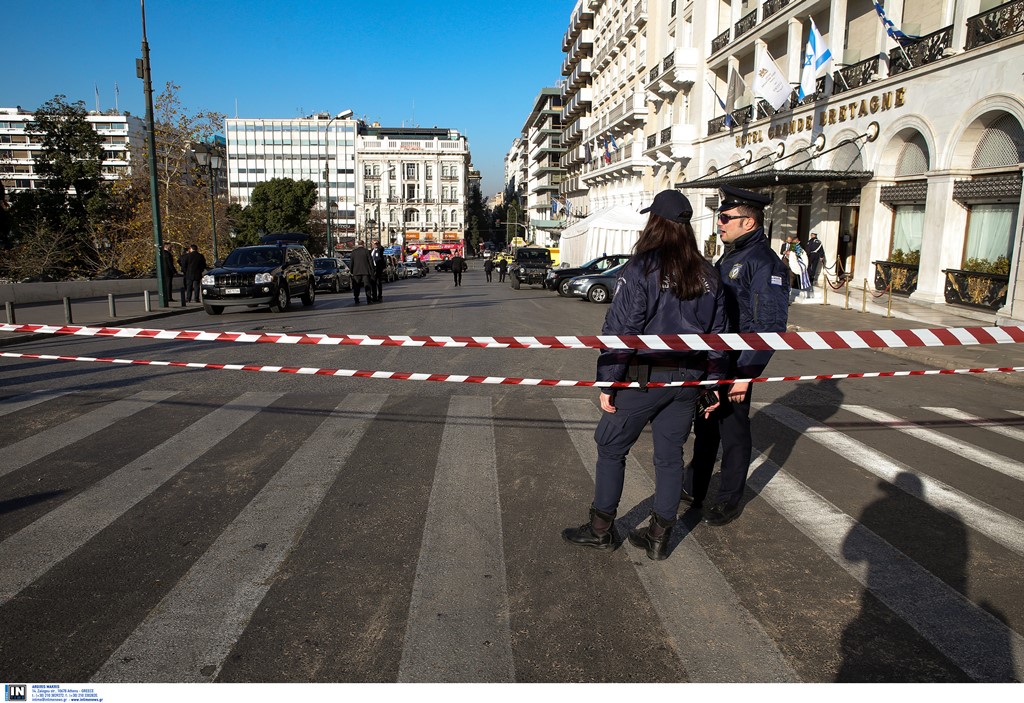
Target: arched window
{"x":1002,"y":144}
{"x":913,"y":160}
{"x":430,"y":216}
{"x":455,"y":216}
{"x":444,"y":216}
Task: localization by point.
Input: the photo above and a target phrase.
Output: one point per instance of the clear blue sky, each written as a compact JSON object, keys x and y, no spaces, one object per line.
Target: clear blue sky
{"x":474,"y":66}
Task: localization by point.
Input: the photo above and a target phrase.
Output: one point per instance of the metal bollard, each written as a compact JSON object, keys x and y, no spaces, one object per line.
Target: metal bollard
{"x":847,"y":294}
{"x":888,"y":309}
{"x":110,"y":305}
{"x":864,"y":299}
{"x":10,"y":313}
{"x":67,"y":312}
{"x":824,"y":290}
{"x":146,"y":301}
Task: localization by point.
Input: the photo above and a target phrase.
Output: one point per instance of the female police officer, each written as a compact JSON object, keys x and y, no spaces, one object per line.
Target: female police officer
{"x":666,"y":288}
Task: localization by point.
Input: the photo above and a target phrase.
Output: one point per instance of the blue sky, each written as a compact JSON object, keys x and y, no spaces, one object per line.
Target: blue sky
{"x":471,"y":66}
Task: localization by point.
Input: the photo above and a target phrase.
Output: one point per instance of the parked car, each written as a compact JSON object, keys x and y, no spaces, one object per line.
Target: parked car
{"x":596,"y":287}
{"x":444,"y":265}
{"x":332,"y":275}
{"x":269,"y":274}
{"x":558,"y":279}
{"x":531,"y":267}
{"x":410,"y":269}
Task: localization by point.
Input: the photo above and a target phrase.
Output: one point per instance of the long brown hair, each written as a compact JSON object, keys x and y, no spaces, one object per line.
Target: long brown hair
{"x":671,"y":247}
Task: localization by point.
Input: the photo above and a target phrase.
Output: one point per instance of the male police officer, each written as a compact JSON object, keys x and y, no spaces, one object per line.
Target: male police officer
{"x":756,"y":300}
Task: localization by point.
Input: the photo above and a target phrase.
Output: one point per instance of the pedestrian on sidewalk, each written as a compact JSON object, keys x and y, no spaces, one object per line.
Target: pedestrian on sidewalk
{"x":666,"y":288}
{"x":815,"y":257}
{"x":167,"y":261}
{"x":757,"y":298}
{"x":458,"y":266}
{"x":193,"y":266}
{"x":488,"y":269}
{"x":362,"y":272}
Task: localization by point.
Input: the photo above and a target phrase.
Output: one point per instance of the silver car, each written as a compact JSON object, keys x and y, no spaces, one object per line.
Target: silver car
{"x":596,"y":287}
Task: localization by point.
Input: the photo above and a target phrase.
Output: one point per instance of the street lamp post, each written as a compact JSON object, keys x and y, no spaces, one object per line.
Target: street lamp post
{"x":344,"y":114}
{"x":209,"y":157}
{"x":144,"y":71}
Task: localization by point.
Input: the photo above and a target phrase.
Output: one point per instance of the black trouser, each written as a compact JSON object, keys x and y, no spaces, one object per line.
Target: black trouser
{"x":488,"y":274}
{"x":728,"y":426}
{"x":169,"y":287}
{"x":362,"y":281}
{"x":377,"y":287}
{"x":501,"y":276}
{"x":192,"y":289}
{"x":458,"y":277}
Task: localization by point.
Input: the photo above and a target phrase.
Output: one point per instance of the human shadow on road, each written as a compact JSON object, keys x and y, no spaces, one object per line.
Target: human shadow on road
{"x":878,"y":646}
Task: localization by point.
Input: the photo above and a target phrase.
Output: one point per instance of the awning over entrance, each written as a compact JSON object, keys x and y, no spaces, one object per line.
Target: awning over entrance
{"x":771,"y":178}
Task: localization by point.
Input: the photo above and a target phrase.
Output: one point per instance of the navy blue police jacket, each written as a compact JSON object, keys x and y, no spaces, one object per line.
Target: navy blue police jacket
{"x":643,"y":304}
{"x":756,"y":296}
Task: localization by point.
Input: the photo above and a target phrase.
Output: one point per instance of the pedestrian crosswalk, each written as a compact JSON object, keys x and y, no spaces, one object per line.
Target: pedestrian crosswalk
{"x":466,"y":522}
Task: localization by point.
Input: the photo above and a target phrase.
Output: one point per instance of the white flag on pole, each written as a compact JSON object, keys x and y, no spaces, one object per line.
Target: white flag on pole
{"x":734,"y":90}
{"x":769,"y":82}
{"x":817,"y":57}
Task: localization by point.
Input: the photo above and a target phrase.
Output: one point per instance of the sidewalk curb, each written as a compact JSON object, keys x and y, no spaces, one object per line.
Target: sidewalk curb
{"x":19,"y":338}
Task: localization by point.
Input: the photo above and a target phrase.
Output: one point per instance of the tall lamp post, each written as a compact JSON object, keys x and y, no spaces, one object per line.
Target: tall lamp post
{"x":208,"y":157}
{"x":344,"y":114}
{"x":143,"y":71}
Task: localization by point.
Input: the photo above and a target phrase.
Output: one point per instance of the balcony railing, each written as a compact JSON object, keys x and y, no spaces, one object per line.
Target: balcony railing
{"x":818,"y":94}
{"x":771,"y":7}
{"x":653,"y":75}
{"x":652,"y":141}
{"x":746,"y":23}
{"x":927,"y":49}
{"x":720,"y":41}
{"x":669,"y":61}
{"x":854,"y":76}
{"x":998,"y":23}
{"x":666,"y":135}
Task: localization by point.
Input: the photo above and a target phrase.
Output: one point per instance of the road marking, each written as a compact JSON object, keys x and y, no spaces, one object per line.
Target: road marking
{"x":982,"y":457}
{"x":989,"y":521}
{"x":971,"y":638}
{"x":53,"y":439}
{"x":206,"y":612}
{"x":459,"y":624}
{"x":990,"y":425}
{"x":41,"y":545}
{"x":20,"y":402}
{"x":714,"y":635}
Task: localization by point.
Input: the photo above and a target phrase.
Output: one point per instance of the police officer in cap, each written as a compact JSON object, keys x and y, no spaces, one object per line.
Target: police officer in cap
{"x":757,"y":300}
{"x":666,"y":288}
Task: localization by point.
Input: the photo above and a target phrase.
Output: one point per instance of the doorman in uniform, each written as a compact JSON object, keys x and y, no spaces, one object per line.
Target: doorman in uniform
{"x":756,"y":284}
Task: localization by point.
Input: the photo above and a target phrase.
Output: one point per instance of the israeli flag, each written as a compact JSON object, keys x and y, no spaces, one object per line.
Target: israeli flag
{"x":892,"y":30}
{"x":816,"y":58}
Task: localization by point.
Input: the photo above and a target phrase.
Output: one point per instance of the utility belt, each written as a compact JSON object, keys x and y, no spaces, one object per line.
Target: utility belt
{"x":640,"y":371}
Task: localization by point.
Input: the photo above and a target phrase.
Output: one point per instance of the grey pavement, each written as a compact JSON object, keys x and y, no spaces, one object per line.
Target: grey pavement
{"x":864,"y":313}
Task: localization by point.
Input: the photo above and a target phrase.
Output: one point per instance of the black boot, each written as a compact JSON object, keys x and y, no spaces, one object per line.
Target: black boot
{"x":654,"y":537}
{"x":599,"y":533}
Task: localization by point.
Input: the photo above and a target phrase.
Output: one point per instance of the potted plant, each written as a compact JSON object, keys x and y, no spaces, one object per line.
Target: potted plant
{"x":899,"y":271}
{"x":981,"y":283}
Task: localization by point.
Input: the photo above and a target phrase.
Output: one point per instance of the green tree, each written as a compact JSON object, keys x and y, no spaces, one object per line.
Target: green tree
{"x":479,"y":217}
{"x":277,"y":205}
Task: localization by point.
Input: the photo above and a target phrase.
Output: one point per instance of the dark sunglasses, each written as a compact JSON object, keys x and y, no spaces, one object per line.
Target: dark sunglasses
{"x":725,"y":219}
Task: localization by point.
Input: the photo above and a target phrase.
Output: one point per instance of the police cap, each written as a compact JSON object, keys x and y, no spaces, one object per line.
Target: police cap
{"x":734,"y":197}
{"x":672,"y":205}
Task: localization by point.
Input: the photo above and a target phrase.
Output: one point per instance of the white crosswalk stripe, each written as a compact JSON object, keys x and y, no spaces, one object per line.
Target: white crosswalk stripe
{"x":732,"y":645}
{"x":208,"y":609}
{"x":962,"y":631}
{"x":975,"y":421}
{"x":20,"y":402}
{"x":982,"y":457}
{"x":995,"y":524}
{"x":48,"y":540}
{"x":53,"y":439}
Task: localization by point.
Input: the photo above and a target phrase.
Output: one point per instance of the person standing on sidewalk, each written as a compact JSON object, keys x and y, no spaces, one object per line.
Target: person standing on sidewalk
{"x":756,"y":285}
{"x":380,"y":267}
{"x":815,"y":256}
{"x":458,"y":266}
{"x":666,"y":288}
{"x":193,"y":266}
{"x":167,"y":259}
{"x":362,"y":272}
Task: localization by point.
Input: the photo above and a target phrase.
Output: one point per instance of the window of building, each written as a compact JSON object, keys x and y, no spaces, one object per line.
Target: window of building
{"x":444,"y":216}
{"x":908,"y":228}
{"x":913,"y":159}
{"x":429,"y":172}
{"x":990,"y":230}
{"x":430,"y":216}
{"x":429,"y":192}
{"x":410,"y":171}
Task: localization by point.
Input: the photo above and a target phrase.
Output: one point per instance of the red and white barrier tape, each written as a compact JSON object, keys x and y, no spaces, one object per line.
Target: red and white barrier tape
{"x":495,"y":380}
{"x":778,"y":341}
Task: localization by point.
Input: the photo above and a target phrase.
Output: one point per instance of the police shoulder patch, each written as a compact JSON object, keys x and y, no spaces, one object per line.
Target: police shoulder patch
{"x":776,"y":280}
{"x":734,"y":272}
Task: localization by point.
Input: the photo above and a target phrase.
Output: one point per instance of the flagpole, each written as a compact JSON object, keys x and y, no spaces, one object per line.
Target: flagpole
{"x":721,"y":103}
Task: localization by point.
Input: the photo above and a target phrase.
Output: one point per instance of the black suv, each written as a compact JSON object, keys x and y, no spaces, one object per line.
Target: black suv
{"x":332,"y":275}
{"x":531,"y":267}
{"x":558,"y":279}
{"x":269,"y":274}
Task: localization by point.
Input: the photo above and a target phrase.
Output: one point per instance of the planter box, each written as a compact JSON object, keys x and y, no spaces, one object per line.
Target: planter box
{"x":902,"y":277}
{"x":977,"y":290}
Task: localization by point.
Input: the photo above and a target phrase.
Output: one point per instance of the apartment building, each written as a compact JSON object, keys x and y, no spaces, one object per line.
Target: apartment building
{"x":318,"y":148}
{"x":577,"y":97}
{"x":916,"y":148}
{"x":413,"y":187}
{"x":19,"y":149}
{"x":542,"y":147}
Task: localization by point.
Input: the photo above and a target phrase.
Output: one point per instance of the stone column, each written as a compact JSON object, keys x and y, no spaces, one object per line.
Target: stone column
{"x":837,"y":30}
{"x":945,"y":229}
{"x":1012,"y":313}
{"x":962,"y":9}
{"x":794,"y":49}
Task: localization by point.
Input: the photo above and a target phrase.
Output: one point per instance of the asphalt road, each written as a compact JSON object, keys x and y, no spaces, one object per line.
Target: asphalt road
{"x":161,"y":524}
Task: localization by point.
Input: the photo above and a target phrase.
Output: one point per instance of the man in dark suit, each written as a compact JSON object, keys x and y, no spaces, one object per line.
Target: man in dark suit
{"x":167,"y":261}
{"x":380,"y":265}
{"x":362,"y":272}
{"x":458,"y":266}
{"x":193,"y":266}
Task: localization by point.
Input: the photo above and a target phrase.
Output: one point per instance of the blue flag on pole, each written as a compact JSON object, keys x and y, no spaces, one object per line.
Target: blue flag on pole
{"x":729,"y":121}
{"x":894,"y":32}
{"x":816,"y":57}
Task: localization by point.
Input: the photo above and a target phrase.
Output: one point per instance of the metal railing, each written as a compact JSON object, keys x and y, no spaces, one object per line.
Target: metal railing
{"x":855,"y":75}
{"x":720,"y":41}
{"x":746,"y":23}
{"x":771,"y":7}
{"x":927,"y":49}
{"x":998,"y":23}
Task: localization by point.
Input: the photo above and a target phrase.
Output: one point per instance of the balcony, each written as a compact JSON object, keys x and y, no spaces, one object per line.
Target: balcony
{"x":744,"y":115}
{"x":998,"y":23}
{"x":854,"y":76}
{"x":720,"y":42}
{"x":582,"y":48}
{"x":637,"y":18}
{"x":746,"y":23}
{"x":677,"y":70}
{"x":577,"y":104}
{"x":626,"y":160}
{"x":579,"y":76}
{"x":771,"y":7}
{"x":927,"y":49}
{"x":673,"y":143}
{"x":622,"y":118}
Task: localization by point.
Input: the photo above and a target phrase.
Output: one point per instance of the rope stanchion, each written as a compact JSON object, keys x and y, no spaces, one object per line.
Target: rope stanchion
{"x":499,"y":380}
{"x":741,"y":341}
